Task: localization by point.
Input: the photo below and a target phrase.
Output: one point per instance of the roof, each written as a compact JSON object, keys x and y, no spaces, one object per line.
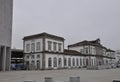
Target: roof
{"x":43,"y":35}
{"x":72,"y":52}
{"x":109,"y":50}
{"x":16,"y":50}
{"x":85,"y":42}
{"x":17,"y":53}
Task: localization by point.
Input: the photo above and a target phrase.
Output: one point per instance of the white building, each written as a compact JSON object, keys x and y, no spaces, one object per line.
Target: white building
{"x":6,"y":7}
{"x":117,"y":56}
{"x":46,"y":51}
{"x":96,"y":53}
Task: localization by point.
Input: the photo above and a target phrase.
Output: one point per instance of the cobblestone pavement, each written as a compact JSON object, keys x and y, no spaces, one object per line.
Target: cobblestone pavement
{"x":106,"y":75}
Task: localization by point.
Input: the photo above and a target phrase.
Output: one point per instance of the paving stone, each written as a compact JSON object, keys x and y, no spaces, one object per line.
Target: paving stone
{"x":48,"y":79}
{"x":74,"y":79}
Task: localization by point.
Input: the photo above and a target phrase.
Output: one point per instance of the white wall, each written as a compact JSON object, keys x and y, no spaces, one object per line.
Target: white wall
{"x":35,"y":58}
{"x":79,"y":48}
{"x":117,"y":57}
{"x":57,"y":41}
{"x":52,"y":56}
{"x":33,"y":41}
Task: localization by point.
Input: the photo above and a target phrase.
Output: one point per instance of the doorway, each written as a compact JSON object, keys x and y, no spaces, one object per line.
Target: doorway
{"x":1,"y":57}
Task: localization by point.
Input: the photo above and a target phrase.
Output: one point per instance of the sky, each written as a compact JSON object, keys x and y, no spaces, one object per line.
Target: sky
{"x":75,"y":20}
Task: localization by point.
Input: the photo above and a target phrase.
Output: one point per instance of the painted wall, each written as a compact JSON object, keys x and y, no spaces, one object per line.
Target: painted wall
{"x":57,"y":41}
{"x":82,"y":49}
{"x":52,"y":56}
{"x":33,"y":41}
{"x":30,"y":59}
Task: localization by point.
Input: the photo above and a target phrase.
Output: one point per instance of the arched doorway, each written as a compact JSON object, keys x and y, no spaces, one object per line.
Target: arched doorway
{"x":38,"y":64}
{"x":69,"y":62}
{"x":87,"y":62}
{"x":55,"y":62}
{"x":49,"y":62}
{"x":60,"y":62}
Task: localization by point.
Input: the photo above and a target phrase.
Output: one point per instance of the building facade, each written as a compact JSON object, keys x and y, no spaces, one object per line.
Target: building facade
{"x":6,"y":7}
{"x":46,"y":51}
{"x":96,"y":54}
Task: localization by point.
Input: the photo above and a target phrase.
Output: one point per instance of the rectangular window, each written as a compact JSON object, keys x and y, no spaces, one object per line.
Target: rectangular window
{"x":33,"y":47}
{"x":59,"y":47}
{"x":32,"y":56}
{"x":38,"y":46}
{"x":95,"y":51}
{"x":49,"y":45}
{"x":38,"y":56}
{"x":27,"y":47}
{"x":65,"y":61}
{"x":86,"y":50}
{"x":55,"y":46}
{"x":27,"y":57}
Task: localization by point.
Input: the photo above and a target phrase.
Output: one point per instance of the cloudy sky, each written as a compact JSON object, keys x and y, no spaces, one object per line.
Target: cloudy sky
{"x":75,"y":20}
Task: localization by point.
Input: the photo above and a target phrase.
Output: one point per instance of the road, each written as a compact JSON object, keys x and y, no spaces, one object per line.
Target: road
{"x":107,"y":75}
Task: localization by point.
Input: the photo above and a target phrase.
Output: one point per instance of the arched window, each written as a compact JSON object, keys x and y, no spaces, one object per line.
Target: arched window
{"x":27,"y":65}
{"x":60,"y":62}
{"x":77,"y":62}
{"x":65,"y":62}
{"x":50,"y":62}
{"x":38,"y":64}
{"x":32,"y":65}
{"x":55,"y":62}
{"x":69,"y":61}
{"x":80,"y":62}
{"x":86,"y":50}
{"x":33,"y":62}
{"x":84,"y":62}
{"x":91,"y":62}
{"x":38,"y":56}
{"x":107,"y":62}
{"x":87,"y":62}
{"x":73,"y":62}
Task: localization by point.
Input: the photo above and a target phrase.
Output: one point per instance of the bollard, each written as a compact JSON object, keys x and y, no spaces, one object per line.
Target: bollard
{"x":116,"y":80}
{"x":74,"y":79}
{"x":48,"y":79}
{"x":29,"y":81}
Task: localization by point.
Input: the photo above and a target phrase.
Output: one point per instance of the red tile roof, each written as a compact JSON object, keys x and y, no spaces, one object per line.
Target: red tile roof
{"x":72,"y":52}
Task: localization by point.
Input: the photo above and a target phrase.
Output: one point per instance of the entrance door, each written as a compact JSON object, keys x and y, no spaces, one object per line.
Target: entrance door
{"x":87,"y":62}
{"x":38,"y":65}
{"x":1,"y":57}
{"x":60,"y":62}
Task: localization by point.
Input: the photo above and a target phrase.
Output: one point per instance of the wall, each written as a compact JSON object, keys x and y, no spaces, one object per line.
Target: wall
{"x":5,"y":22}
{"x":57,"y":41}
{"x":33,"y":41}
{"x":83,"y":51}
{"x":52,"y":56}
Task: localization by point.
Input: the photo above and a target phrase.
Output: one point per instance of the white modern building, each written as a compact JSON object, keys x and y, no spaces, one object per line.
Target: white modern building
{"x":46,"y":51}
{"x":6,"y":7}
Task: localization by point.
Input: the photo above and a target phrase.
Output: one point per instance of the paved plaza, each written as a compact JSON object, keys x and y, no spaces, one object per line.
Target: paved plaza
{"x":106,"y":75}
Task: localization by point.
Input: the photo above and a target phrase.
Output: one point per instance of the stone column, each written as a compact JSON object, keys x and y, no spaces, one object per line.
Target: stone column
{"x":4,"y":59}
{"x":8,"y":58}
{"x":0,"y":59}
